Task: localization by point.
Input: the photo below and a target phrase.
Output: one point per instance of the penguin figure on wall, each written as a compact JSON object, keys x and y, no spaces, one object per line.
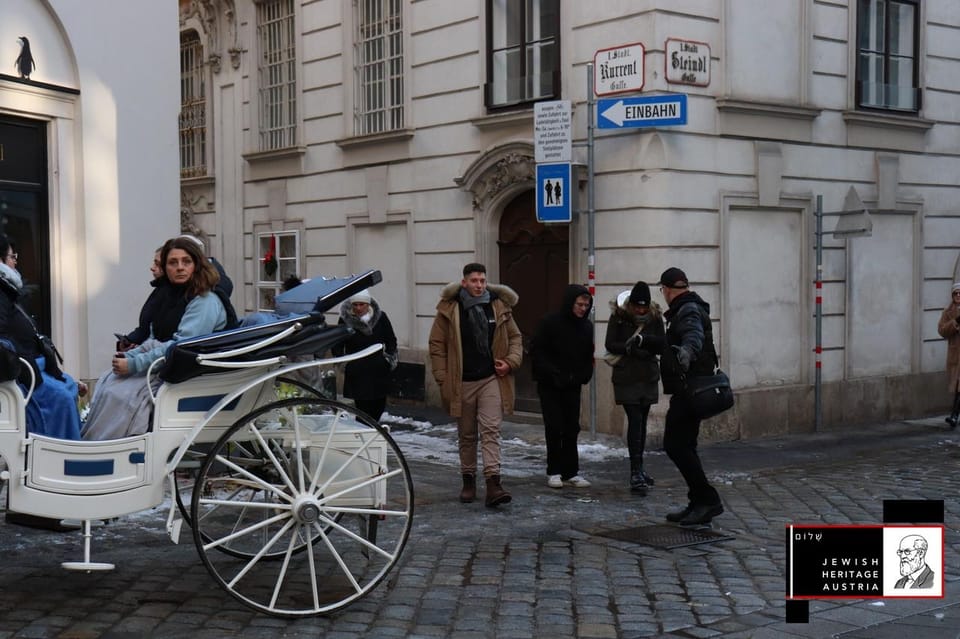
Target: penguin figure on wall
{"x":25,"y":64}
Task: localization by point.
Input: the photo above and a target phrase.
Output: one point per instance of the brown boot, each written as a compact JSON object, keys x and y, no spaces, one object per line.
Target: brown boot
{"x":496,"y":494}
{"x":469,"y":491}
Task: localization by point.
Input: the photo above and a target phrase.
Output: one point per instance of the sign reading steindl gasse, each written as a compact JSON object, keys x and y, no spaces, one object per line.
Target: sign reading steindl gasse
{"x":687,"y":62}
{"x":618,"y":69}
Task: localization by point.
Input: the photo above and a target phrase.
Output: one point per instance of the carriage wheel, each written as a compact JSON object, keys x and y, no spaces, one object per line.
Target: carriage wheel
{"x":317,"y":486}
{"x":195,"y":455}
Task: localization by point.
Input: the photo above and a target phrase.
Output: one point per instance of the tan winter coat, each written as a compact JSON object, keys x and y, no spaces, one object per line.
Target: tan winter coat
{"x":949,"y":330}
{"x":446,"y":351}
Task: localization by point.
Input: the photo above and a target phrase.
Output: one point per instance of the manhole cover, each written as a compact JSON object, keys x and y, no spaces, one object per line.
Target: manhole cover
{"x":666,"y":536}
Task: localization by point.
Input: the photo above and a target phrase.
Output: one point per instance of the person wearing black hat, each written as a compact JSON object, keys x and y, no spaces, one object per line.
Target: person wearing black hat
{"x":689,"y":352}
{"x":562,"y":355}
{"x":636,"y":372}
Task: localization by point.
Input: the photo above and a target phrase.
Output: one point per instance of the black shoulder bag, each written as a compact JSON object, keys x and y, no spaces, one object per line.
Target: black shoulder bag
{"x":708,"y":395}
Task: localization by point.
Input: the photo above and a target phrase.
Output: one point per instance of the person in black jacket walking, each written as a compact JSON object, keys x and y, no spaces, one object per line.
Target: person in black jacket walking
{"x":367,"y":380}
{"x":689,"y":352}
{"x":562,"y":352}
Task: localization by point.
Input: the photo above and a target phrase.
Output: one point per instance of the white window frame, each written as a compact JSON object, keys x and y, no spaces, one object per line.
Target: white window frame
{"x":378,"y":66}
{"x":288,"y":263}
{"x":902,"y":98}
{"x":278,"y":104}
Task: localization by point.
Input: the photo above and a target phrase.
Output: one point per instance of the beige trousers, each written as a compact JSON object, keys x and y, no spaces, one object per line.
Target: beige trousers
{"x":481,"y":412}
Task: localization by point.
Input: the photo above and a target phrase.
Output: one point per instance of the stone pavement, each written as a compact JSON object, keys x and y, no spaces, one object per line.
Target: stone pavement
{"x":540,"y":567}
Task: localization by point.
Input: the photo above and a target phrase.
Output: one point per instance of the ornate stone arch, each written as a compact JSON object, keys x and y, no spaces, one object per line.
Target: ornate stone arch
{"x":493,"y":179}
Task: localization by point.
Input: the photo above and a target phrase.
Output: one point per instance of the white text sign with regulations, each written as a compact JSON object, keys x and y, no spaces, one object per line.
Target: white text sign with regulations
{"x":552,"y":131}
{"x":646,"y":111}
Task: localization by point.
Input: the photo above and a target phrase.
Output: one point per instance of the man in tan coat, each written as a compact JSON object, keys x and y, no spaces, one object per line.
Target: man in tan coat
{"x":475,"y":346}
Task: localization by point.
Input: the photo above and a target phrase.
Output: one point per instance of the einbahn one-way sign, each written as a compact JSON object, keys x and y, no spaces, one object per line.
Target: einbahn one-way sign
{"x":644,"y":111}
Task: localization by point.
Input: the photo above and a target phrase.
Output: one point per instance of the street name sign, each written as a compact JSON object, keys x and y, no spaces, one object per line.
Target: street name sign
{"x":643,"y":111}
{"x":618,"y":69}
{"x":553,"y":193}
{"x":552,"y":131}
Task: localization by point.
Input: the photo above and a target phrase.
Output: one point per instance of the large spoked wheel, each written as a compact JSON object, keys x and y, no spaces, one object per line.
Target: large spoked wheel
{"x":302,"y":507}
{"x":193,"y":459}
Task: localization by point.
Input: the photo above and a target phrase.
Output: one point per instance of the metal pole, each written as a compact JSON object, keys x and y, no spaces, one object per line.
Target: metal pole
{"x":818,"y":418}
{"x":591,"y":262}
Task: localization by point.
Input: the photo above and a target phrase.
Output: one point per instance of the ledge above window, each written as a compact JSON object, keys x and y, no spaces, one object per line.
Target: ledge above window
{"x":360,"y":141}
{"x":766,"y":120}
{"x":263,"y":165}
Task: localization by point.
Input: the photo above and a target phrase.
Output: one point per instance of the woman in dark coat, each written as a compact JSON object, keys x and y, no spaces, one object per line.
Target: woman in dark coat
{"x":636,"y":372}
{"x":562,"y":354}
{"x":367,"y":380}
{"x":52,"y":409}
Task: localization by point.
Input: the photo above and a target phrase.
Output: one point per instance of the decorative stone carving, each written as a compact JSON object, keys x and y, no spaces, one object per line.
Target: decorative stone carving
{"x":513,"y":168}
{"x":188,"y":208}
{"x":209,"y":14}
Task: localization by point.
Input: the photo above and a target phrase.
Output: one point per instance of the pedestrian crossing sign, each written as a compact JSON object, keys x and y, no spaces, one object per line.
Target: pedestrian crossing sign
{"x":554,"y":193}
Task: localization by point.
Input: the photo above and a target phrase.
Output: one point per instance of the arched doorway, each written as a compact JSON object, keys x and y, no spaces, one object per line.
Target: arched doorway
{"x":535,"y":262}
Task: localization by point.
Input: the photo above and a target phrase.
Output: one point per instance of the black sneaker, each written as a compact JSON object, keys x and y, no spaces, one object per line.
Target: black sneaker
{"x":952,"y":421}
{"x":648,"y":479}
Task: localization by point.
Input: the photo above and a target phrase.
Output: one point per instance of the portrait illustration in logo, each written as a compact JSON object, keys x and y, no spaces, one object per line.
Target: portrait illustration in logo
{"x":914,"y":571}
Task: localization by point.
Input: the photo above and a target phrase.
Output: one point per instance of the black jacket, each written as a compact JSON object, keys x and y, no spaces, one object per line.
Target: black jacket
{"x":367,"y":378}
{"x":636,"y":375}
{"x":147,"y":313}
{"x":562,"y":347}
{"x":688,"y":328}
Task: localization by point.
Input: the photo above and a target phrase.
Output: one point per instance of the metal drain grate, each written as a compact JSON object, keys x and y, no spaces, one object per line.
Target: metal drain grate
{"x":666,"y":536}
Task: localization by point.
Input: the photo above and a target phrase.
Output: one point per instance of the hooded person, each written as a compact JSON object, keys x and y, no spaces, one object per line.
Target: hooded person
{"x":367,"y":380}
{"x":562,"y":354}
{"x":636,"y":372}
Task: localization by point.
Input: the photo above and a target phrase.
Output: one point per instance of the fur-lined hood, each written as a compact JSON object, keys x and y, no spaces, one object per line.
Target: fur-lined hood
{"x":509,"y":296}
{"x":11,"y":278}
{"x":354,"y":322}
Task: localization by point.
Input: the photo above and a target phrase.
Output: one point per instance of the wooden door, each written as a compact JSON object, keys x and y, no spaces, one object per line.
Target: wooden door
{"x":535,"y":262}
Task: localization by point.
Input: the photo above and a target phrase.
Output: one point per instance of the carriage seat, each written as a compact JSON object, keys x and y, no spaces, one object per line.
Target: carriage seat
{"x":312,"y":336}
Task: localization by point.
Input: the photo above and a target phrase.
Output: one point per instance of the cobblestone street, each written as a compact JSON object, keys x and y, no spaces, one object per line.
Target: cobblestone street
{"x":542,"y":566}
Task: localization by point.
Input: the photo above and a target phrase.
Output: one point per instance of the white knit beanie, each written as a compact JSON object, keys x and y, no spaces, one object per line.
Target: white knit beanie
{"x":362,"y":296}
{"x":956,"y":287}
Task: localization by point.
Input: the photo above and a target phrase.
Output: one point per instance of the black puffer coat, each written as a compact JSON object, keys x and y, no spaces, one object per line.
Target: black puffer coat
{"x":367,"y":378}
{"x":562,"y":347}
{"x":636,"y":374}
{"x":688,"y":328}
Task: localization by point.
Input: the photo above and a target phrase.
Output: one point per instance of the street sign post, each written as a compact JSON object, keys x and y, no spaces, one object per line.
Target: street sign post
{"x":645,"y":111}
{"x":554,"y":193}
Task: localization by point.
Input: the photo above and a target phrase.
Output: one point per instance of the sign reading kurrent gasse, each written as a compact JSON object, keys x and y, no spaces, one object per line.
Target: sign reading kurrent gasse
{"x":687,"y":62}
{"x":618,"y":69}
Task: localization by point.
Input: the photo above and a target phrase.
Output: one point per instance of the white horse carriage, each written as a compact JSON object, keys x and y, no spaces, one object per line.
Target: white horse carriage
{"x":298,"y":505}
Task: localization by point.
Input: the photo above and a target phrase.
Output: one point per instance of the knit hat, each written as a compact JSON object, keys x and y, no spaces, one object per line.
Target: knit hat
{"x":674,"y":278}
{"x":956,"y":287}
{"x":362,"y":296}
{"x":640,"y":295}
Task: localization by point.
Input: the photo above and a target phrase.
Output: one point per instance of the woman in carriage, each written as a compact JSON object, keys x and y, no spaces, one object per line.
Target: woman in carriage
{"x":193,"y":305}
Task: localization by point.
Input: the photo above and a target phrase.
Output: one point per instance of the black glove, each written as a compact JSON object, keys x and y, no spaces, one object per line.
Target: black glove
{"x":683,"y":357}
{"x":654,"y":344}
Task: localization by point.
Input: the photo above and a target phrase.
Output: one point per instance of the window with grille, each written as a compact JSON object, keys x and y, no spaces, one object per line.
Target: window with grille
{"x":279,"y":258}
{"x":523,"y":51}
{"x":887,"y":53}
{"x":378,"y":66}
{"x":276,"y":68}
{"x":193,"y":107}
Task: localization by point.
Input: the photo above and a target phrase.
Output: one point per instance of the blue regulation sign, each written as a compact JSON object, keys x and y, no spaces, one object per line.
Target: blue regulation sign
{"x":553,"y":192}
{"x":645,"y":111}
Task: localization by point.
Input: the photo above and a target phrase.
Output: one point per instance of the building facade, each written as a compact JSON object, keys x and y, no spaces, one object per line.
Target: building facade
{"x":326,"y":137}
{"x":88,"y":170}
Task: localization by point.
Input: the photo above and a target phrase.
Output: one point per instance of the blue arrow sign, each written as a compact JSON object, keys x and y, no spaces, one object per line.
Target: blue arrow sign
{"x":646,"y":111}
